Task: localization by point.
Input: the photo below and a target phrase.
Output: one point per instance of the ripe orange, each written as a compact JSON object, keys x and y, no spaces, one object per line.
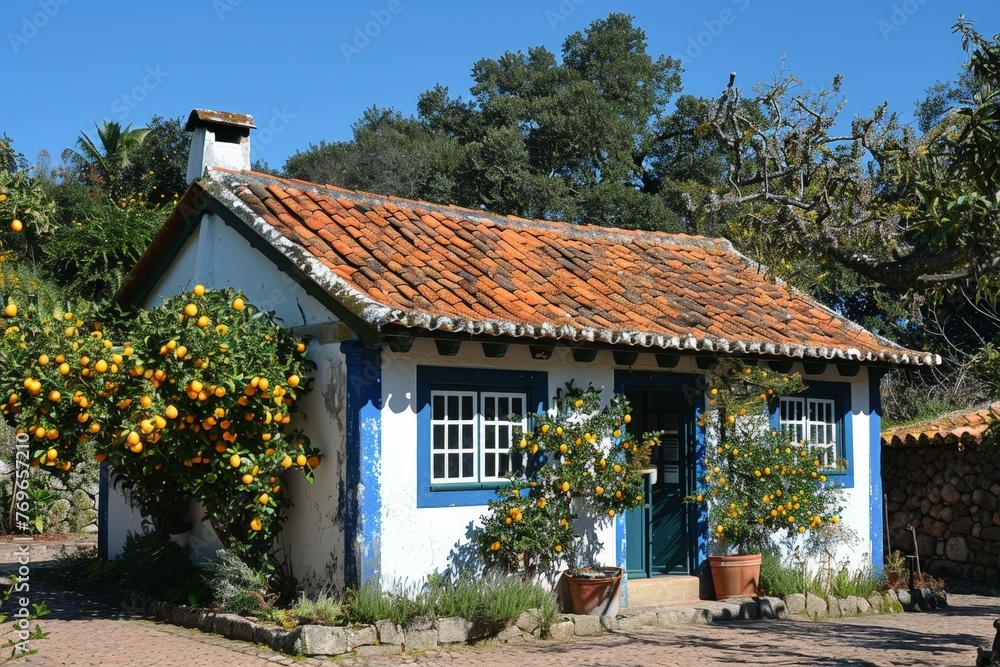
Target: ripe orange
{"x":286,"y":462}
{"x":235,"y":460}
{"x":10,"y":310}
{"x":199,"y":290}
{"x":132,"y":438}
{"x":313,"y":461}
{"x":181,"y":351}
{"x":55,"y":396}
{"x":137,"y":448}
{"x":100,"y":457}
{"x":255,"y":524}
{"x":171,"y":412}
{"x":203,"y":321}
{"x":16,"y":226}
{"x":263,"y":498}
{"x":293,"y":381}
{"x":95,"y":427}
{"x":239,"y":304}
{"x":51,"y":454}
{"x":557,"y":548}
{"x":101,"y":366}
{"x":247,"y":479}
{"x":190,"y":310}
{"x":301,"y":460}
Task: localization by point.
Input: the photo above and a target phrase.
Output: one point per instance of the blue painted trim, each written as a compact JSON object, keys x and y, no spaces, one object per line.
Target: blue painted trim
{"x":841,"y":393}
{"x":534,"y":383}
{"x":875,"y":468}
{"x":362,"y":509}
{"x":104,"y":492}
{"x":620,"y":555}
{"x":701,"y":510}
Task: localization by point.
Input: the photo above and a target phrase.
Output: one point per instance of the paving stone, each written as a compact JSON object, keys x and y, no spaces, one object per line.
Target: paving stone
{"x":815,"y":605}
{"x":586,"y":626}
{"x":796,"y":603}
{"x":528,"y":620}
{"x":683,"y":615}
{"x":362,"y":636}
{"x":633,"y":623}
{"x":381,"y":651}
{"x":561,"y":631}
{"x":452,"y":630}
{"x":322,"y":640}
{"x":420,"y":640}
{"x":772,"y":608}
{"x":389,"y":633}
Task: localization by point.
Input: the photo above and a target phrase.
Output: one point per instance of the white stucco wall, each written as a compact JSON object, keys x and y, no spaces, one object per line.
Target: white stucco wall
{"x":418,"y":541}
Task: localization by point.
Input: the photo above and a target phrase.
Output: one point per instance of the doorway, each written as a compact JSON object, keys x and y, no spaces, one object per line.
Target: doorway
{"x":661,"y":537}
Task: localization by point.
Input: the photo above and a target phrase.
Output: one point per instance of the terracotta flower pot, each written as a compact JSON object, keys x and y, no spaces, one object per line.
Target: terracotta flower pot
{"x":735,"y":575}
{"x":596,"y":594}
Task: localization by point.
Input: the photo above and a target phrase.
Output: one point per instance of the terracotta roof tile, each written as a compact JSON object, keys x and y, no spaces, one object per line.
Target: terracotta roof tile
{"x":425,"y":266}
{"x":964,"y":427}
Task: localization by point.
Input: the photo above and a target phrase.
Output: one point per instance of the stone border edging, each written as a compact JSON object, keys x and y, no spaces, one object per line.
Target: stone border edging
{"x":424,"y":634}
{"x":892,"y":600}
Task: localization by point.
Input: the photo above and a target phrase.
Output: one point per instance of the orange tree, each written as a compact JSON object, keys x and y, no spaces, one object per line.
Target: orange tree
{"x":759,"y":482}
{"x":578,"y":460}
{"x":191,"y":399}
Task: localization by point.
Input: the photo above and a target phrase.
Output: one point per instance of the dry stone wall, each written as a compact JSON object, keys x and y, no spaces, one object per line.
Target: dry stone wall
{"x":950,"y":495}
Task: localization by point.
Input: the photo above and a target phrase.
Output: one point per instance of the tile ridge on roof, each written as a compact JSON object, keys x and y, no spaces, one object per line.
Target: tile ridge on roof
{"x":947,"y":419}
{"x":578,"y":231}
{"x":891,"y":352}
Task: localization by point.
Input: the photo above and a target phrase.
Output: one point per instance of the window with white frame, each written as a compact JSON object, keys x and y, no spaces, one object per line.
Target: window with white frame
{"x":815,"y":421}
{"x":471,"y":434}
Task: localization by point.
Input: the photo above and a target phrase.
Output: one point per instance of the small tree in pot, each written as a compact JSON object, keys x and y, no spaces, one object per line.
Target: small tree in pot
{"x":759,"y":484}
{"x":580,"y":468}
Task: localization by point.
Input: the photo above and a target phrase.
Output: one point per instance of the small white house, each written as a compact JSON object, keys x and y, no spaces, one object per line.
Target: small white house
{"x":430,"y":324}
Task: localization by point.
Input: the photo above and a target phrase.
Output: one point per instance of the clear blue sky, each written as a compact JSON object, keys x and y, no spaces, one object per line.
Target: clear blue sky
{"x":302,"y":71}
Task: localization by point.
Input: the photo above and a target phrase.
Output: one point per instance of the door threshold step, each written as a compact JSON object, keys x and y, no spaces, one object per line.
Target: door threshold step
{"x":663,"y":590}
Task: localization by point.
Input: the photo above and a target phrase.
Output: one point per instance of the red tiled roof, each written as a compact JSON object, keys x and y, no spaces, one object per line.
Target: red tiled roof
{"x":442,"y":268}
{"x":958,"y":427}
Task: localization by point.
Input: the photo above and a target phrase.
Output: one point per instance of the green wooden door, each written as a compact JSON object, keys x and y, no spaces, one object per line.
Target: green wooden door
{"x":659,"y":537}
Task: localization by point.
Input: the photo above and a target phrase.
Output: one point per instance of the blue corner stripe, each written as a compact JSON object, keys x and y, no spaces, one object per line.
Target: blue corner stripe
{"x":620,"y":556}
{"x":362,"y":514}
{"x":875,"y":469}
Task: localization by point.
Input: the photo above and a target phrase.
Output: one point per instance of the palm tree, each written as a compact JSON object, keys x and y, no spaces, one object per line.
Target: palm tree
{"x":99,"y":164}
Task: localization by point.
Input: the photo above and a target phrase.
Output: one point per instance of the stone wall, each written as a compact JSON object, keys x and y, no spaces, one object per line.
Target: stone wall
{"x":951,"y":496}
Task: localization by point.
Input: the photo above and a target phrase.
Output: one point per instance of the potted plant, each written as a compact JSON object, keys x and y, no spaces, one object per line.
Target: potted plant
{"x":760,"y":486}
{"x":579,"y":469}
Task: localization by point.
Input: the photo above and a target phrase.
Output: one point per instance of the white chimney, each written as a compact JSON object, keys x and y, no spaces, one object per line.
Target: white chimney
{"x":221,"y":139}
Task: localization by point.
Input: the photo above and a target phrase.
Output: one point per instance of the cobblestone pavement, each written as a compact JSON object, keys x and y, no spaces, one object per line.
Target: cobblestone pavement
{"x":83,"y":633}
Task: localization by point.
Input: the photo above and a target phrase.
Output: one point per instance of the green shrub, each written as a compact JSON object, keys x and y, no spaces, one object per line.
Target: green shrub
{"x":324,"y":610}
{"x":780,"y":580}
{"x":236,"y":586}
{"x":161,"y":568}
{"x":491,"y":602}
{"x":401,"y":603}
